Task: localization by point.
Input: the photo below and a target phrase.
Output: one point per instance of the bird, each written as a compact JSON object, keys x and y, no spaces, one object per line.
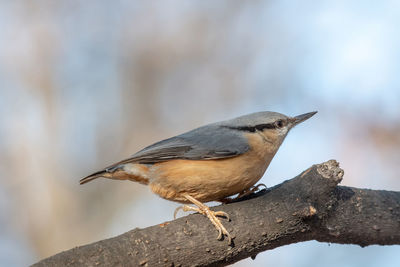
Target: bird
{"x":211,"y":163}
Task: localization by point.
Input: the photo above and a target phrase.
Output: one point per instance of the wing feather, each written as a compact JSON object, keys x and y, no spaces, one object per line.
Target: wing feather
{"x":208,"y":142}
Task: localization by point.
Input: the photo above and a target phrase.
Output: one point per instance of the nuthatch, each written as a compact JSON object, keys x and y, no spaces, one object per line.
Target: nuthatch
{"x":209,"y":163}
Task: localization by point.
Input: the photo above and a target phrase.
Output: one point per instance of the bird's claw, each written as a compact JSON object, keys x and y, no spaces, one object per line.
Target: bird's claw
{"x":222,"y":214}
{"x":251,"y":190}
{"x":211,"y":215}
{"x":176,"y":211}
{"x":257,"y":187}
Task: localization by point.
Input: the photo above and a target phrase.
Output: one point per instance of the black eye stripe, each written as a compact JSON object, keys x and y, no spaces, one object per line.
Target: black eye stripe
{"x":259,"y":127}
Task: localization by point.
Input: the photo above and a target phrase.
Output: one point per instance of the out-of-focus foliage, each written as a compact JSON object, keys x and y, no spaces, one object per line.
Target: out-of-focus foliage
{"x":86,"y":83}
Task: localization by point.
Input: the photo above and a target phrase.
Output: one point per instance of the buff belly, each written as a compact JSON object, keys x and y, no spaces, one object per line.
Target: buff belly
{"x":206,"y":180}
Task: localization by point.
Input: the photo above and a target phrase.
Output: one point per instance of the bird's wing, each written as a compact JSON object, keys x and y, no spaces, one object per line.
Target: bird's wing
{"x":207,"y":142}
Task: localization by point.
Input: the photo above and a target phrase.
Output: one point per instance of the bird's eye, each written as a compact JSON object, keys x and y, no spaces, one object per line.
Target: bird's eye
{"x":279,"y":123}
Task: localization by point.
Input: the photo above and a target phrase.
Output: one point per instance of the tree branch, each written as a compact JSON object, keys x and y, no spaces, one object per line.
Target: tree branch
{"x":308,"y":207}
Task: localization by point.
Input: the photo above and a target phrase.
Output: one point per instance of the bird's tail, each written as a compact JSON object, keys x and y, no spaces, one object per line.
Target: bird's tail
{"x":135,"y":172}
{"x":103,"y":173}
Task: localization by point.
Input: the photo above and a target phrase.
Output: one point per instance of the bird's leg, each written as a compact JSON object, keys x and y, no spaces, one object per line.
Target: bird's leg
{"x":211,"y":215}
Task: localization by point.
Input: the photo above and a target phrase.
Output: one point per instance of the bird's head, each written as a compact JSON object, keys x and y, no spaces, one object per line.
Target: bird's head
{"x":272,"y":126}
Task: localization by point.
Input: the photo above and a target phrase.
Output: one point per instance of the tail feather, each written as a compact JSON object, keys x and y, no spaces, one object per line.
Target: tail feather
{"x":102,"y":173}
{"x":137,"y":173}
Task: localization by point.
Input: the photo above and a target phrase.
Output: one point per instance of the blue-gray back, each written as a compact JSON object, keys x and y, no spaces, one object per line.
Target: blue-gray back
{"x":213,"y":141}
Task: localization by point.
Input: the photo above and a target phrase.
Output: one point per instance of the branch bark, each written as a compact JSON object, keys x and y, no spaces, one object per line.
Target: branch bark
{"x":308,"y":207}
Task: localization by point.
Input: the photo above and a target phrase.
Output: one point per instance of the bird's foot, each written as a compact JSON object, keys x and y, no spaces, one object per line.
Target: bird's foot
{"x":211,"y":215}
{"x":246,"y":192}
{"x":251,"y":190}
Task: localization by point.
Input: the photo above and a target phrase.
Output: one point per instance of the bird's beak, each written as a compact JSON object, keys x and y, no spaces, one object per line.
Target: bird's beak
{"x":302,"y":117}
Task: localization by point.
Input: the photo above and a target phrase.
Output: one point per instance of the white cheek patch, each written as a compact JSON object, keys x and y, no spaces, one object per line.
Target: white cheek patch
{"x":283,"y":131}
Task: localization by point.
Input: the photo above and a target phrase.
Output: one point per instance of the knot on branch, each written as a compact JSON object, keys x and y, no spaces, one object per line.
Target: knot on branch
{"x":307,"y":212}
{"x":331,"y":170}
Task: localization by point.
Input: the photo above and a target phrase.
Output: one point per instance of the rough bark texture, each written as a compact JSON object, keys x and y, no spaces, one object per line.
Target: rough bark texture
{"x":308,"y":207}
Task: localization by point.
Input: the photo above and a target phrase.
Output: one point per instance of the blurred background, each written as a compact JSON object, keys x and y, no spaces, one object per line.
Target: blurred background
{"x":84,"y":84}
